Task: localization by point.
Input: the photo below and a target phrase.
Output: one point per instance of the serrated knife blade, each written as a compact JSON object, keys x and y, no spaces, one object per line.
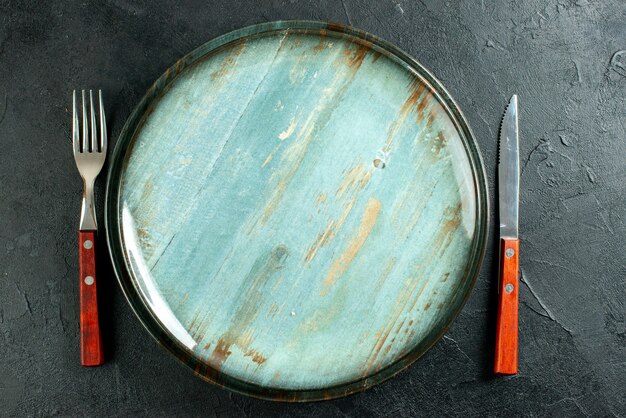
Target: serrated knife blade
{"x":506,"y":351}
{"x":508,"y":172}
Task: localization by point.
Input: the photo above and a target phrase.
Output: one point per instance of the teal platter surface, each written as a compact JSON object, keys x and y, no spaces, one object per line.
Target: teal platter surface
{"x":296,"y":210}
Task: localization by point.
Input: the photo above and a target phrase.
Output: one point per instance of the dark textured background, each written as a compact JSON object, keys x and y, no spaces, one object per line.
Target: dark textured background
{"x":564,"y":58}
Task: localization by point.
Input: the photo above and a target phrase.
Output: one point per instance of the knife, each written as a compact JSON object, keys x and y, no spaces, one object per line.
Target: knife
{"x":508,"y":193}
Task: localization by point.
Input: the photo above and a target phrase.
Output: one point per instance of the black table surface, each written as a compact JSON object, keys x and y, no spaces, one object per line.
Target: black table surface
{"x":566,"y":59}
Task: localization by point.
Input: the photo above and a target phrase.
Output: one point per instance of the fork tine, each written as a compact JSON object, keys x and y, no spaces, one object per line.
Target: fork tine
{"x":75,"y":131}
{"x":85,"y":137}
{"x":94,"y":129}
{"x":103,"y":126}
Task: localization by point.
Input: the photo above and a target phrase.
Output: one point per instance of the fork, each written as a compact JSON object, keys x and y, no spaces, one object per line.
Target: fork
{"x":89,"y":153}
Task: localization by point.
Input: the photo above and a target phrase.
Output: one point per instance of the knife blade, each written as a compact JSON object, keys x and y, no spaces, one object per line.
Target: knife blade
{"x":506,"y":352}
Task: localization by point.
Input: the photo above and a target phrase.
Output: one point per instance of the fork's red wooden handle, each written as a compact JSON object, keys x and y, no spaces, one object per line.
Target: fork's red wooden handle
{"x":90,"y":340}
{"x":506,"y":328}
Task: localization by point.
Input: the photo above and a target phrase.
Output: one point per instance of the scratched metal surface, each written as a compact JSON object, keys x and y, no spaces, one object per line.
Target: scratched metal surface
{"x":298,"y":210}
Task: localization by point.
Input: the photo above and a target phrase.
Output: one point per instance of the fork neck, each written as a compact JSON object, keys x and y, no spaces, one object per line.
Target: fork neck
{"x":88,"y":212}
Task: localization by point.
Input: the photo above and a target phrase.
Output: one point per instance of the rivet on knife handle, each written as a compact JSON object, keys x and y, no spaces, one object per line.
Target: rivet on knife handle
{"x":507,"y":323}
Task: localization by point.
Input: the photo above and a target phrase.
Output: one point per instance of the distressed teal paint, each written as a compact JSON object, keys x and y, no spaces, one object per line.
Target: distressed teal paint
{"x":296,"y":213}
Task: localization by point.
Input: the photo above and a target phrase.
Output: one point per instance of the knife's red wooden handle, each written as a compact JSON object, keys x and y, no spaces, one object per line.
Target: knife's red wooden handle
{"x":90,"y":340}
{"x":506,"y":328}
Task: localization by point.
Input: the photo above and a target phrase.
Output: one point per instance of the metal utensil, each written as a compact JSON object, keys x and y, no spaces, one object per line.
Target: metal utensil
{"x":89,"y":153}
{"x":508,"y":189}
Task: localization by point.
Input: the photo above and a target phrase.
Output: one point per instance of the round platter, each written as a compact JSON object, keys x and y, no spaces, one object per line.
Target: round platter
{"x":296,"y":210}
